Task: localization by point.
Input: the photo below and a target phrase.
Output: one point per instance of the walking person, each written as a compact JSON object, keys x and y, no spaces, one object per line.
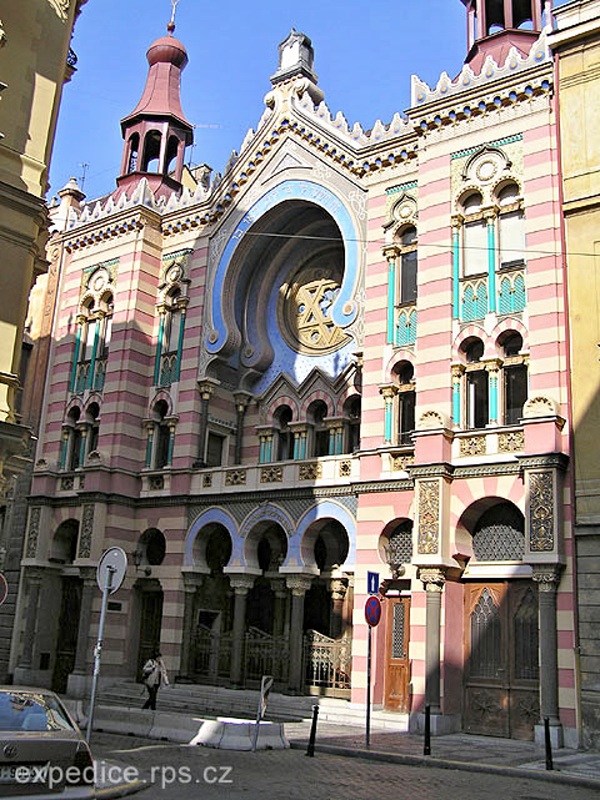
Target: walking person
{"x":154,"y":675}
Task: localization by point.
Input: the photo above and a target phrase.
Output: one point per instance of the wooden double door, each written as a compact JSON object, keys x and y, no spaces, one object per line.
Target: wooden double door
{"x":501,"y":675}
{"x":396,"y":681}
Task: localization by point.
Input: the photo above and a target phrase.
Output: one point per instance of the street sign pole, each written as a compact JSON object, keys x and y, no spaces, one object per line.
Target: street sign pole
{"x":372,"y":617}
{"x":368,"y":732}
{"x":109,"y":577}
{"x":110,"y":571}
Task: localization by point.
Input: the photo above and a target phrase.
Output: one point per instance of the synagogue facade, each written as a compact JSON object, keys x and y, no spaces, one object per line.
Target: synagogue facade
{"x":339,"y":367}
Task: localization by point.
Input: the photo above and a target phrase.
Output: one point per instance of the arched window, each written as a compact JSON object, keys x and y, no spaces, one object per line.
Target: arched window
{"x":72,"y":441}
{"x":160,"y":454}
{"x":317,"y":411}
{"x":172,"y":155}
{"x":511,"y":228}
{"x":134,"y":149}
{"x":151,"y":157}
{"x":170,"y":340}
{"x":284,"y":438}
{"x":88,"y":331}
{"x":515,"y":384}
{"x":92,"y":414}
{"x":474,"y":243}
{"x":352,"y":412}
{"x":405,"y":402}
{"x":408,"y":266}
{"x":477,"y":385}
{"x":95,"y":330}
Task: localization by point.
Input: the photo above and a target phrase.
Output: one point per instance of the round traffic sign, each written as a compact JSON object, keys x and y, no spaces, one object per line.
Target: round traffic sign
{"x":373,"y":610}
{"x":111,"y":569}
{"x":3,"y":588}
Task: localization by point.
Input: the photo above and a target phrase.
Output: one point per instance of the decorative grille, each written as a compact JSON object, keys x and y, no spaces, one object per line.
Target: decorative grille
{"x":499,"y":535}
{"x":486,"y":657}
{"x":398,"y":631}
{"x":526,"y":636}
{"x":400,"y":546}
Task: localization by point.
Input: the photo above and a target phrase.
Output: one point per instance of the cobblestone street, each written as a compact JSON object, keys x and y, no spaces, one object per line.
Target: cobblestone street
{"x":176,"y":772}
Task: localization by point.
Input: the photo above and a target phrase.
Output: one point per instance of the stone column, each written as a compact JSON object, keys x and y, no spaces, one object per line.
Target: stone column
{"x":339,"y":587}
{"x":191,"y":583}
{"x":493,"y":370}
{"x":433,"y":580}
{"x":241,"y":404}
{"x":458,"y":371}
{"x":206,"y":390}
{"x":88,"y":575}
{"x":391,"y":253}
{"x":547,"y":579}
{"x":298,"y":586}
{"x":241,"y":585}
{"x":280,"y":591}
{"x":34,"y":580}
{"x":388,"y":392}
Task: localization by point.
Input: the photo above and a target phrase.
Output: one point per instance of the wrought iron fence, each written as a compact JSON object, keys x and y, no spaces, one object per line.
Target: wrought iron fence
{"x":266,"y":655}
{"x":327,"y":661}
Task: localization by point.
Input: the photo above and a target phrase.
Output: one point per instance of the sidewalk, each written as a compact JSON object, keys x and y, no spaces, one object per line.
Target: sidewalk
{"x":457,"y":751}
{"x":481,"y":754}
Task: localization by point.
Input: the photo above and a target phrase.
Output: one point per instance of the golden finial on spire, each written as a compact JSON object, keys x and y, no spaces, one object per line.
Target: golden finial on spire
{"x":171,"y":25}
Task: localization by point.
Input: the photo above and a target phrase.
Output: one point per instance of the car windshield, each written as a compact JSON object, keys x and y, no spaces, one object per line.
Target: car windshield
{"x":31,"y":711}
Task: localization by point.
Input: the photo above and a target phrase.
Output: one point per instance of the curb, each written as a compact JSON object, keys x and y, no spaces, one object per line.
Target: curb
{"x":121,"y":790}
{"x":550,"y":776}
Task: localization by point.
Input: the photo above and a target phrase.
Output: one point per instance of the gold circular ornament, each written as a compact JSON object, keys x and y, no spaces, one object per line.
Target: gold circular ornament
{"x":304,"y":312}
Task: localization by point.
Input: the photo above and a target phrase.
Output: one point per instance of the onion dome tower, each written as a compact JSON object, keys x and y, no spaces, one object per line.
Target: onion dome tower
{"x":157,"y":132}
{"x":495,"y":26}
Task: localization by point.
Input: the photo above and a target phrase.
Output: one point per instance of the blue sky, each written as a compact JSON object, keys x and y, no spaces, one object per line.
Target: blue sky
{"x":365,"y":53}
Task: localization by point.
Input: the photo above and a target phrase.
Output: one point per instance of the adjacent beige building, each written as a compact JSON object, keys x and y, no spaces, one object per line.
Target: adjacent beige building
{"x":35,"y":62}
{"x":576,"y":43}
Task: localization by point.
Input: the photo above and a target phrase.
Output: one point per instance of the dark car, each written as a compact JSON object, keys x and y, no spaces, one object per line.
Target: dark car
{"x":43,"y":754}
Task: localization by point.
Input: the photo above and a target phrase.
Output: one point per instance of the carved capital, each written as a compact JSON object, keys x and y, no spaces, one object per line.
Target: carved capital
{"x":339,"y":587}
{"x":432,"y":578}
{"x":388,"y":391}
{"x":298,"y":584}
{"x":241,"y":584}
{"x":391,"y":252}
{"x":192,"y":581}
{"x":547,"y":577}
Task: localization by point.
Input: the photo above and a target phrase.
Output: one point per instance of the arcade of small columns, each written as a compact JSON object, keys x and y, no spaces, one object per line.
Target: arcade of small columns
{"x":292,"y":586}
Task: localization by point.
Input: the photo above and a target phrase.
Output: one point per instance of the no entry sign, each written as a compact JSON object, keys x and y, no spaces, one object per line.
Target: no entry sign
{"x":372,"y":610}
{"x":3,"y":588}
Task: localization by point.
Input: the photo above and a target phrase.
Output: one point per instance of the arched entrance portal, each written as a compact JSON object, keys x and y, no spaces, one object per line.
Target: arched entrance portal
{"x":63,"y":552}
{"x":501,"y":676}
{"x":327,"y":611}
{"x":149,"y":595}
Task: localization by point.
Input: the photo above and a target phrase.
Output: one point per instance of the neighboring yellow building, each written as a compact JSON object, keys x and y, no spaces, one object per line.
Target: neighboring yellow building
{"x":576,"y":42}
{"x":35,"y":62}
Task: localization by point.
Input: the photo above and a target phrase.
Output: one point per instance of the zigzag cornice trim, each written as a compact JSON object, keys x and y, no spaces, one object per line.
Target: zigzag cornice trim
{"x":422,"y":94}
{"x":470,"y":105}
{"x":313,"y":133}
{"x":100,"y":230}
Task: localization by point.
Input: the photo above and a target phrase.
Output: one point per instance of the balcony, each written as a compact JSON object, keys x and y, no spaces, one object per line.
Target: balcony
{"x":338,"y":470}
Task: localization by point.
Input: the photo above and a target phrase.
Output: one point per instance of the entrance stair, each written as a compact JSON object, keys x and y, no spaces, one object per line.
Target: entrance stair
{"x":210,"y":702}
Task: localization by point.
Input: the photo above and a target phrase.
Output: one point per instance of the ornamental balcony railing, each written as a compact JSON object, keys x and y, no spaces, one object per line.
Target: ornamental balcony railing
{"x":84,"y":379}
{"x":511,"y":295}
{"x":405,"y":330}
{"x":323,"y":471}
{"x":168,"y":369}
